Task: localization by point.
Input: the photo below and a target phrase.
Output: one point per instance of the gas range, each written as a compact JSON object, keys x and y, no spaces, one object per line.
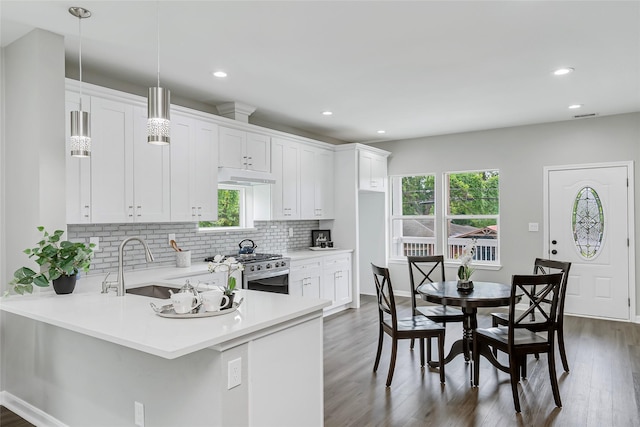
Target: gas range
{"x":260,"y":264}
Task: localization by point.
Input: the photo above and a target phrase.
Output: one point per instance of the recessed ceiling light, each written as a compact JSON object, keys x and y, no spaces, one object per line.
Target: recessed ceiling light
{"x":220,"y":74}
{"x":563,"y":71}
{"x":382,"y":131}
{"x":327,"y":113}
{"x":574,"y":106}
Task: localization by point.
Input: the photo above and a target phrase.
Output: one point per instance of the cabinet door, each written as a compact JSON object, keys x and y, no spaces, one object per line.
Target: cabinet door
{"x":111,"y":161}
{"x":304,"y":278}
{"x":258,"y":152}
{"x":342,"y":286}
{"x":205,"y":168}
{"x":308,"y":176}
{"x":78,"y":170}
{"x":232,"y":149}
{"x":285,"y":166}
{"x":151,"y":174}
{"x":324,"y":192}
{"x":182,"y":137}
{"x":336,"y":285}
{"x":311,"y":286}
{"x":372,"y":171}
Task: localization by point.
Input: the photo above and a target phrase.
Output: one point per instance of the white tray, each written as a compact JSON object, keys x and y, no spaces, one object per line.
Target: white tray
{"x":318,"y":248}
{"x":173,"y":315}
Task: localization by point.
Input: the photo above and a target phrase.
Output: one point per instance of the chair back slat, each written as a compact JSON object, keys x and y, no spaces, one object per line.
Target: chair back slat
{"x":549,"y":266}
{"x":424,"y":269}
{"x":543,"y":291}
{"x":384,"y":293}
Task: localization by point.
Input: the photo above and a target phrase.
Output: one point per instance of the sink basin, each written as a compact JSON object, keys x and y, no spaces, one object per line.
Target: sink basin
{"x":154,"y":290}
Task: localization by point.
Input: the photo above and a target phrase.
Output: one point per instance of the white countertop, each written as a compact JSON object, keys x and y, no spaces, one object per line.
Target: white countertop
{"x":308,"y":253}
{"x":129,"y":320}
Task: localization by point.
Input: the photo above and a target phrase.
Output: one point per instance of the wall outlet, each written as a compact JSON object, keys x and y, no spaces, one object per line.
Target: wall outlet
{"x":96,"y":242}
{"x":172,"y":236}
{"x":533,"y":226}
{"x":234,"y":376}
{"x":138,"y":413}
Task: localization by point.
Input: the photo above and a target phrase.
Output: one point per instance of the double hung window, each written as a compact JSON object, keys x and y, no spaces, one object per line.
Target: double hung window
{"x":231,"y":209}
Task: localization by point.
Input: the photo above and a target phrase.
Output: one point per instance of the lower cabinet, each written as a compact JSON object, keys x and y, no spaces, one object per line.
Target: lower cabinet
{"x":327,"y":277}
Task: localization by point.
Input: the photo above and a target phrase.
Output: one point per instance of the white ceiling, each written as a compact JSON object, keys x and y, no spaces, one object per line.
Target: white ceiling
{"x":411,"y":68}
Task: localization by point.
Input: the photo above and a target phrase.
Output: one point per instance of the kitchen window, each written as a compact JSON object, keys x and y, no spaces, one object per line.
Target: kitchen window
{"x":472,"y":212}
{"x":231,"y":209}
{"x":413,"y":230}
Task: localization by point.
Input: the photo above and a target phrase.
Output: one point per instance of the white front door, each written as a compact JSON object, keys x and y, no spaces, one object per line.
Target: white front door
{"x":588,"y":225}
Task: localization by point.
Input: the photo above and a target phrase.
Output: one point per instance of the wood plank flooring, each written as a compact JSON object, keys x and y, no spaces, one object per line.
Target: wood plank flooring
{"x":9,"y":419}
{"x":601,"y":389}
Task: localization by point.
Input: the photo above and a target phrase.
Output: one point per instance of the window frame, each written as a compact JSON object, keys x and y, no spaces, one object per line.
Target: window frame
{"x":242,"y":210}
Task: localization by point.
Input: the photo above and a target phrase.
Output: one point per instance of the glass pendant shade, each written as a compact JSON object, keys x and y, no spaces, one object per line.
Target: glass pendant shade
{"x":80,"y":134}
{"x":158,"y":123}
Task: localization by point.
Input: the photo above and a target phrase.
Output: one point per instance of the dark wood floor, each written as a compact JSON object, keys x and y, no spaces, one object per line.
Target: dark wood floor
{"x":601,"y":389}
{"x":9,"y":419}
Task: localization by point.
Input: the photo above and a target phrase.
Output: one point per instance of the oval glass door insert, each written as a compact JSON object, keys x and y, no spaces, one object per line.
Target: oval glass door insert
{"x":588,"y":222}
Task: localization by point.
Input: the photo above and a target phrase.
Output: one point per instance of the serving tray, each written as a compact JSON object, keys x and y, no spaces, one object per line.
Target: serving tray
{"x":318,"y":248}
{"x":171,"y":314}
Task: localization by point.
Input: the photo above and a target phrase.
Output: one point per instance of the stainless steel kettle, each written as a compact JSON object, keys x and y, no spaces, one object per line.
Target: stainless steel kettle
{"x":245,"y":249}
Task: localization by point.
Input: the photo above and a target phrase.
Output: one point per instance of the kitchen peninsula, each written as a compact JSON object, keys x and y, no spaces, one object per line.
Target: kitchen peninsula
{"x":176,"y":369}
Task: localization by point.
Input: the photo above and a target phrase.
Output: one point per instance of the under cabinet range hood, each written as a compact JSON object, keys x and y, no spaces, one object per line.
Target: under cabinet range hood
{"x":244,"y":177}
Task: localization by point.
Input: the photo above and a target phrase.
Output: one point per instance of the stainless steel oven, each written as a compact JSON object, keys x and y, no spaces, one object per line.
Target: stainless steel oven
{"x":264,"y":272}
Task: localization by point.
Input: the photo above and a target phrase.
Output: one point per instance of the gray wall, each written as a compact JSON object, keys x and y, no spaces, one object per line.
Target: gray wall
{"x":520,"y":153}
{"x":269,"y":236}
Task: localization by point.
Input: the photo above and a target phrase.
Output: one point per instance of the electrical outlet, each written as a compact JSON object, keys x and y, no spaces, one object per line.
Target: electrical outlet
{"x":138,"y":410}
{"x":533,"y":226}
{"x":96,"y":242}
{"x":234,"y":375}
{"x":172,"y":236}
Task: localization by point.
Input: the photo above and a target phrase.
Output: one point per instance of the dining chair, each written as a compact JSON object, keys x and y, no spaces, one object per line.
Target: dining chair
{"x":547,"y":266}
{"x":429,"y":269}
{"x":517,"y":339}
{"x":414,"y":327}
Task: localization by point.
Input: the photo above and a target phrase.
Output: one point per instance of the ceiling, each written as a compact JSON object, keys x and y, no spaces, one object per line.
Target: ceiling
{"x":415,"y":68}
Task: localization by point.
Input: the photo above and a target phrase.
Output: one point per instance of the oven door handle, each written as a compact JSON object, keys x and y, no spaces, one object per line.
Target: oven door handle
{"x":266,"y":274}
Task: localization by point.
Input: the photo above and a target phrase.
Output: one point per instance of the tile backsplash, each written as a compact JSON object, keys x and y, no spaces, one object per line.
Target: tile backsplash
{"x":269,"y":236}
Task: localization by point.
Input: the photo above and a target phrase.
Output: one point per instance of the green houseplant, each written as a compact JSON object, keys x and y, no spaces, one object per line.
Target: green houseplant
{"x":59,"y":261}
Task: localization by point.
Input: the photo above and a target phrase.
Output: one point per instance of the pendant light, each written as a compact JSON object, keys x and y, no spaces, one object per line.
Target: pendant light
{"x":158,"y":105}
{"x":80,"y":121}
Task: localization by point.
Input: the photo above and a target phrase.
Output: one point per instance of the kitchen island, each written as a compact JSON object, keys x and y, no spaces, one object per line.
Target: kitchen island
{"x":87,"y":358}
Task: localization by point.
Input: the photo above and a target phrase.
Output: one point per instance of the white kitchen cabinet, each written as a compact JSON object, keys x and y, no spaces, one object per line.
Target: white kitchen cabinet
{"x":129,"y":178}
{"x":316,"y":183}
{"x":372,"y":171}
{"x":336,"y":283}
{"x":305,"y":277}
{"x":285,"y":165}
{"x":194,"y":168}
{"x":244,"y":150}
{"x":78,"y":170}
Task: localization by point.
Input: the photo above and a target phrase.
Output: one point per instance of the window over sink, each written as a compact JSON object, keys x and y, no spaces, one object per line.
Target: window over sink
{"x":231,"y":209}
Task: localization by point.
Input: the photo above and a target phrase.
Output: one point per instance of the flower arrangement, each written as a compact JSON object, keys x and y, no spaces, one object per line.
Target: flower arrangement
{"x":465,"y":270}
{"x":228,"y":265}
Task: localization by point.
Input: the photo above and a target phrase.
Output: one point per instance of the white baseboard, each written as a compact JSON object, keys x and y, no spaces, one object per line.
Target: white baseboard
{"x":29,"y":412}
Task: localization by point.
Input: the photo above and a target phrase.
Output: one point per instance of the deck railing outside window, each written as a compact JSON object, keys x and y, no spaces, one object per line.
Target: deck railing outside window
{"x":486,"y":249}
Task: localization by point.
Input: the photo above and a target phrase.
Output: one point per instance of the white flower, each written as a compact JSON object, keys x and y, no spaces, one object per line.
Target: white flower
{"x":465,"y":271}
{"x":229,"y":266}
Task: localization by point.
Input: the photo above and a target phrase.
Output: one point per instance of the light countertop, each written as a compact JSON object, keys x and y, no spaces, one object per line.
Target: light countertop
{"x":308,"y":253}
{"x":129,"y":320}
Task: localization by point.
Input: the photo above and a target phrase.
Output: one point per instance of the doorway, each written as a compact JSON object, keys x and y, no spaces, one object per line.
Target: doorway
{"x":589,"y":222}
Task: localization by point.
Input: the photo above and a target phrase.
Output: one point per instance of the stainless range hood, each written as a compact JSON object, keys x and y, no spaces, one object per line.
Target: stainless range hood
{"x":244,"y":177}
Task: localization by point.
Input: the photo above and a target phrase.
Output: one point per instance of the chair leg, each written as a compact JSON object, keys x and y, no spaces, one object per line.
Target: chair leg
{"x":421,"y":343}
{"x":513,"y":372}
{"x":428,"y":349}
{"x":563,"y":352}
{"x":412,"y":343}
{"x":552,"y":376}
{"x":494,"y":324}
{"x":523,"y":367}
{"x":441,"y":356}
{"x":392,"y":362}
{"x":375,"y":365}
{"x":476,"y":362}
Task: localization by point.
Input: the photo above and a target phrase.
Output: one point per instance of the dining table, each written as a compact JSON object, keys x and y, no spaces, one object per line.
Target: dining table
{"x":483,"y":294}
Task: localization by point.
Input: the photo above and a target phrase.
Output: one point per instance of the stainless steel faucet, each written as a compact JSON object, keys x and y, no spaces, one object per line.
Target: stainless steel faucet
{"x":118,"y":285}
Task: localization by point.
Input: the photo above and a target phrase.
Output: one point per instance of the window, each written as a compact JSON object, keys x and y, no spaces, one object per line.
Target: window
{"x":231,"y":208}
{"x":472,"y":212}
{"x":413,"y":216}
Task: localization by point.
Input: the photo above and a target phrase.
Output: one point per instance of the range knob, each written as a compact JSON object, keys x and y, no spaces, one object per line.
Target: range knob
{"x":259,"y":267}
{"x":252,"y":268}
{"x":268,"y":265}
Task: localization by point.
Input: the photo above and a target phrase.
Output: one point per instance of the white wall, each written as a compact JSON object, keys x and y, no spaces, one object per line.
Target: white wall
{"x":34,"y":146}
{"x":520,"y":153}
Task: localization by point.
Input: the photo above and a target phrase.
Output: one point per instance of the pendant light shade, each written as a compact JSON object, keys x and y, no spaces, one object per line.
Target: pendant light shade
{"x":158,"y":104}
{"x":158,"y":123}
{"x":80,"y":120}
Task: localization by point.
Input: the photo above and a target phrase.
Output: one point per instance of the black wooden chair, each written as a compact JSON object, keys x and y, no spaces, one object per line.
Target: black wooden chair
{"x":416,"y":327}
{"x":428,"y":269}
{"x":517,"y":339}
{"x":547,"y":266}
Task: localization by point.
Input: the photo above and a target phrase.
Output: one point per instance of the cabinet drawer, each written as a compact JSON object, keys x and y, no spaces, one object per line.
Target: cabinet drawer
{"x":308,"y":269}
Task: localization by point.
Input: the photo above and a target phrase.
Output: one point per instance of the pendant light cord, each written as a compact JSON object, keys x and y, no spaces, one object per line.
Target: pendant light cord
{"x":80,"y":56}
{"x":158,"y":37}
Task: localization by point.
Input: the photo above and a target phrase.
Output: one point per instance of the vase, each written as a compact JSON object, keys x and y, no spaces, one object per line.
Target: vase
{"x":465,"y":285}
{"x":229,"y":304}
{"x":65,"y":284}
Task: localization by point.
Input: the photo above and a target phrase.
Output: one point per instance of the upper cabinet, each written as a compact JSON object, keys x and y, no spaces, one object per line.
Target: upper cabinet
{"x":316,"y":183}
{"x":244,"y":150}
{"x":372,"y":171}
{"x":286,"y":170}
{"x":194,"y":159}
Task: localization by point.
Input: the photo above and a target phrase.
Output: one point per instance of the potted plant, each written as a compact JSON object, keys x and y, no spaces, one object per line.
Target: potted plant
{"x":229,"y":266}
{"x":59,"y":261}
{"x":465,"y":284}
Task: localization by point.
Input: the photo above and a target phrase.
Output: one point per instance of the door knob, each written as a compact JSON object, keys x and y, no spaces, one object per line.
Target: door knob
{"x":554,"y":242}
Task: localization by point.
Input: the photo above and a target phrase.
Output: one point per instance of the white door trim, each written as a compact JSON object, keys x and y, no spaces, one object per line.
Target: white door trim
{"x":630,"y":225}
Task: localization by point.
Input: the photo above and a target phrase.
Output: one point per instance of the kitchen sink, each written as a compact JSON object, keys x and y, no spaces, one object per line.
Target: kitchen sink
{"x":154,"y":290}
